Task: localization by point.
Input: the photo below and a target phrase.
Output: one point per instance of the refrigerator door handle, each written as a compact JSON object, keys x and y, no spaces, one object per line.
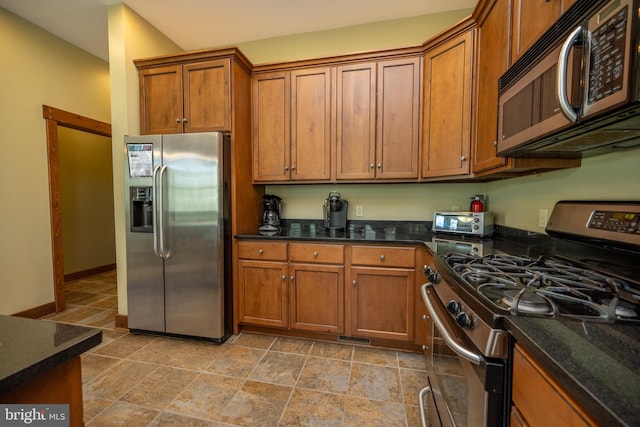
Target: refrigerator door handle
{"x":154,"y":195}
{"x":160,"y":236}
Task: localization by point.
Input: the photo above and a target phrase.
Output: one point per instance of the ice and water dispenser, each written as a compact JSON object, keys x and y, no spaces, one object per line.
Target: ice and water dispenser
{"x":141,"y":209}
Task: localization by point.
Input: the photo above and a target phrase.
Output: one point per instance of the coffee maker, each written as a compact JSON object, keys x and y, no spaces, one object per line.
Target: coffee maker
{"x":335,"y":212}
{"x":270,"y":222}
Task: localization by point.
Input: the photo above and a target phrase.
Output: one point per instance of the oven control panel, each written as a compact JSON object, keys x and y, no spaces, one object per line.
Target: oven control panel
{"x":620,"y":222}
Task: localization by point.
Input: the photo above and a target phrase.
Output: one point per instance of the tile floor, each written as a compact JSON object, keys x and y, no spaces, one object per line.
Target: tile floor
{"x":251,"y":380}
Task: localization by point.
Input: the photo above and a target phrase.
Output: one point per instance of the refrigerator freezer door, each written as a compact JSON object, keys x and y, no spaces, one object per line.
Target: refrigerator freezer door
{"x":193,"y":191}
{"x":145,"y":289}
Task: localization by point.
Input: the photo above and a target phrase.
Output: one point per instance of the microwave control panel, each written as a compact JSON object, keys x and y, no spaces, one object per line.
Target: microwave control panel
{"x":608,"y":49}
{"x":620,"y":222}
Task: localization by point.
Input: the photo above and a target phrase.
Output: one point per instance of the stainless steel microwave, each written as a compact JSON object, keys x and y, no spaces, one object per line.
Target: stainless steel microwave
{"x":576,"y":91}
{"x":469,"y":223}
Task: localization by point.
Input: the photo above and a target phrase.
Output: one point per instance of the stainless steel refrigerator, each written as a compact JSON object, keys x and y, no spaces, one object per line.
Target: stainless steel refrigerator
{"x":177,"y":234}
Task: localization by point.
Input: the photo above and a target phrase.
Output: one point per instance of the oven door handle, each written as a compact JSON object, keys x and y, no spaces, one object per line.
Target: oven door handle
{"x":451,"y":342}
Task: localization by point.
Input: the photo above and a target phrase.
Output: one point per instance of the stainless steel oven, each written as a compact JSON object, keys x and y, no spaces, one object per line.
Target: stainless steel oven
{"x":467,"y":375}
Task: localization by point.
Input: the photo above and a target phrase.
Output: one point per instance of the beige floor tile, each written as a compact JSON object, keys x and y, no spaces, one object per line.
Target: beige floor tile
{"x":375,"y":382}
{"x":292,"y":345}
{"x":254,"y":340}
{"x":313,"y":408}
{"x":177,"y":352}
{"x":413,"y":416}
{"x":412,"y":382}
{"x":257,"y":404}
{"x":124,"y":414}
{"x":278,"y":368}
{"x":324,"y":374}
{"x":77,"y":314}
{"x":110,"y":302}
{"x":159,"y":388}
{"x":363,"y":412}
{"x":412,"y":360}
{"x":126,"y":345}
{"x":93,"y":365}
{"x":206,"y":396}
{"x":236,"y":361}
{"x":92,"y":406}
{"x":376,"y":356}
{"x":332,"y":350}
{"x":115,"y":382}
{"x":167,"y":419}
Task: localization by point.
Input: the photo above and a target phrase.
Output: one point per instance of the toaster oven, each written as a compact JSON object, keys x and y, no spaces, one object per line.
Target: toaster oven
{"x":469,"y":223}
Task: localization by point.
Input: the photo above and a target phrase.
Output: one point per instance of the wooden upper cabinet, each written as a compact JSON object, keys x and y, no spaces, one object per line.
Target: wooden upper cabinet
{"x":192,"y":97}
{"x":207,"y":104}
{"x":271,"y":117}
{"x":356,"y":121}
{"x":161,"y":100}
{"x":311,"y":124}
{"x":530,"y":19}
{"x":398,"y":119}
{"x":447,"y":108}
{"x":492,"y":62}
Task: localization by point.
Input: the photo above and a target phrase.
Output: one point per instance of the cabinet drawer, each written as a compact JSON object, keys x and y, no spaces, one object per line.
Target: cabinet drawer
{"x":328,"y":254}
{"x":383,"y":256}
{"x":274,"y":251}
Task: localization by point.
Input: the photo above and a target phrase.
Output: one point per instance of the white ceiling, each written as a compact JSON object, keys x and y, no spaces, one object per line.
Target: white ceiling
{"x":197,"y":24}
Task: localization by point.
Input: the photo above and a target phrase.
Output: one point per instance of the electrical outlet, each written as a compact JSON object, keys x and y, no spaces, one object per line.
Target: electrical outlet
{"x":359,"y":210}
{"x":542,"y":217}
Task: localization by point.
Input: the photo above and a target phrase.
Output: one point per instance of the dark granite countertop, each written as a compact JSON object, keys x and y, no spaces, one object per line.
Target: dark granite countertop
{"x":30,"y":347}
{"x":597,"y":363}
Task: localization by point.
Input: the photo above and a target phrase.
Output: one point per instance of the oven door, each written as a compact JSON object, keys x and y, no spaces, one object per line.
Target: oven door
{"x":456,"y":394}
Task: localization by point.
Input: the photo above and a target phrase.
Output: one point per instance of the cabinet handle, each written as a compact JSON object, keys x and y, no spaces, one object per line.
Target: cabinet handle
{"x":463,"y":158}
{"x":260,"y":251}
{"x":495,"y":143}
{"x":284,"y":277}
{"x":184,"y":120}
{"x":379,"y":165}
{"x":424,"y":347}
{"x":315,"y":254}
{"x":286,"y":168}
{"x":353,"y":282}
{"x":293,"y":168}
{"x":177,"y":120}
{"x":425,"y":317}
{"x":381,"y":257}
{"x":372,"y":166}
{"x":291,"y":278}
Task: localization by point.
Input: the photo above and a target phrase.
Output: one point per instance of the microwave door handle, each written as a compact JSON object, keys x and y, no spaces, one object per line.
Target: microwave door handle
{"x":451,"y":342}
{"x":563,"y":62}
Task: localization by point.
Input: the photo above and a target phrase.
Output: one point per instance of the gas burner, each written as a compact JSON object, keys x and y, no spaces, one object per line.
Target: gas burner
{"x":522,"y":285}
{"x":527,"y":302}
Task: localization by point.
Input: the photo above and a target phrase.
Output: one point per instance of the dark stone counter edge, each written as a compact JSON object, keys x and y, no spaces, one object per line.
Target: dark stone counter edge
{"x":92,"y":339}
{"x":603,"y":414}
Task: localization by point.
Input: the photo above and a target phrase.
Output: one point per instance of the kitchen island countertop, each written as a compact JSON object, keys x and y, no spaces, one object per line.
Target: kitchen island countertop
{"x":29,"y":347}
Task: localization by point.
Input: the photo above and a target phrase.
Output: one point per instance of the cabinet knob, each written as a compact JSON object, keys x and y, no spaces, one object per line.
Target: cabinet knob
{"x":260,"y":251}
{"x":184,"y":120}
{"x":286,"y":168}
{"x":178,"y":120}
{"x":379,"y":165}
{"x":495,"y":143}
{"x":315,"y":254}
{"x":463,"y":158}
{"x":293,"y":168}
{"x":291,"y":278}
{"x":425,"y":317}
{"x":353,"y":282}
{"x":372,"y":166}
{"x":381,"y":257}
{"x":424,"y":347}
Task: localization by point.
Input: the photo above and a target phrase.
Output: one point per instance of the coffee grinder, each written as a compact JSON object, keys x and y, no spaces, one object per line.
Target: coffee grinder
{"x":270,"y":222}
{"x":335,"y":212}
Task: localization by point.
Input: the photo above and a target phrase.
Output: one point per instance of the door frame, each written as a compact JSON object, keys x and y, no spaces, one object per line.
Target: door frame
{"x":54,"y":118}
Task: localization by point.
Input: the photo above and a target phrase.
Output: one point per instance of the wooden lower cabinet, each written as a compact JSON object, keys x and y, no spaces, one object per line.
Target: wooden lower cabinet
{"x":263,"y":293}
{"x":538,"y":400}
{"x":316,"y":297}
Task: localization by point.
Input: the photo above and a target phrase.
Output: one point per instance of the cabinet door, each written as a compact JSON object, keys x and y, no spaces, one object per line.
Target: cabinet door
{"x":311,"y":124}
{"x":206,"y":92}
{"x":530,"y":19}
{"x":161,"y":100}
{"x":491,"y":64}
{"x":271,"y":115}
{"x":263,"y":293}
{"x":356,"y":121}
{"x":398,"y":117}
{"x":381,"y":302}
{"x":447,"y":108}
{"x":316,"y":295}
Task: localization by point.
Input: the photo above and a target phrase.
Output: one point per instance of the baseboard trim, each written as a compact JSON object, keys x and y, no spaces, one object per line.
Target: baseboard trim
{"x":89,"y":272}
{"x":38,"y":312}
{"x":122,"y":321}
